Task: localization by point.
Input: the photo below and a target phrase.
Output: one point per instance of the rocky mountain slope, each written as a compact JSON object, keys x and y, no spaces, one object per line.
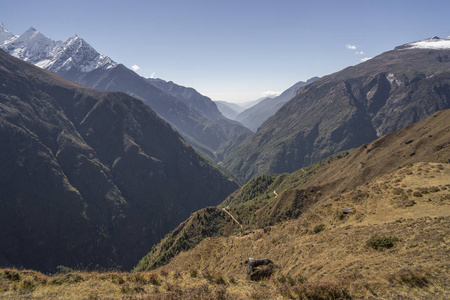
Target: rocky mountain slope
{"x":254,"y":116}
{"x":76,"y":60}
{"x":348,"y":108}
{"x":368,"y":222}
{"x":191,"y":97}
{"x":89,"y":179}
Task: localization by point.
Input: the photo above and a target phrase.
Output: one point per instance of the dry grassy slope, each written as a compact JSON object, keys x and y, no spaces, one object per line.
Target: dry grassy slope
{"x":389,"y":205}
{"x":425,"y":141}
{"x":384,"y":182}
{"x":255,"y":205}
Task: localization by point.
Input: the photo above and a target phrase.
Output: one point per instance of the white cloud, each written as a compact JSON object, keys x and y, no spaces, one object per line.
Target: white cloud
{"x":135,"y":67}
{"x":365,"y":59}
{"x":359,"y":52}
{"x":270,"y":94}
{"x":350,"y":46}
{"x":152,"y":75}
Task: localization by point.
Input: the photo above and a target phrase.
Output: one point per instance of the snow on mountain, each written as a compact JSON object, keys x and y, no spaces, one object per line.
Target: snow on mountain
{"x":58,"y":57}
{"x":31,"y":46}
{"x":5,"y":35}
{"x":435,"y":43}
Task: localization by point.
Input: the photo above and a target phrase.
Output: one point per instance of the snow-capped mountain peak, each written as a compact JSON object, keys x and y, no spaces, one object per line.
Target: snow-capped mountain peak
{"x":5,"y":35}
{"x":60,"y":57}
{"x":30,"y":46}
{"x":435,"y":43}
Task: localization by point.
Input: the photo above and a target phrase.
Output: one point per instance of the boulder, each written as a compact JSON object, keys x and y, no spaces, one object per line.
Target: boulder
{"x":259,"y":269}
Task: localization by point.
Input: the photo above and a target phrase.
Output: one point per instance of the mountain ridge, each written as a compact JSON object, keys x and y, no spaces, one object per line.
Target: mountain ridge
{"x":346,"y":108}
{"x":76,"y":60}
{"x":91,"y":178}
{"x":254,"y":116}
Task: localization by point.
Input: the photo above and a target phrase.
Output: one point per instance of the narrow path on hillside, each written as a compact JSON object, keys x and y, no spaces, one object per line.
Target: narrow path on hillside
{"x":304,"y":171}
{"x":276,"y":195}
{"x":225,"y":210}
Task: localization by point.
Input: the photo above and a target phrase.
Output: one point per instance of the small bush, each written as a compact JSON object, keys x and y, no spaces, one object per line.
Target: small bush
{"x":138,"y":278}
{"x":301,"y":279}
{"x":176,"y":275}
{"x":282,"y":279}
{"x":68,"y":278}
{"x":12,"y":275}
{"x":28,"y":285}
{"x":207,"y":275}
{"x":218,"y":279}
{"x":318,"y":228}
{"x":379,"y":242}
{"x":413,"y":277}
{"x":64,"y":269}
{"x":417,"y":194}
{"x":193,"y":273}
{"x":116,"y":279}
{"x":291,"y":281}
{"x":153,"y":279}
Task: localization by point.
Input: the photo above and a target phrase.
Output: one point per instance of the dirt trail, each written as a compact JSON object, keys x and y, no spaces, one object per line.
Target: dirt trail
{"x":237,"y":222}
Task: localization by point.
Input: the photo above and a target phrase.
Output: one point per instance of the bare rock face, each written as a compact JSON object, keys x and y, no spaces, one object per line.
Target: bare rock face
{"x":259,"y":269}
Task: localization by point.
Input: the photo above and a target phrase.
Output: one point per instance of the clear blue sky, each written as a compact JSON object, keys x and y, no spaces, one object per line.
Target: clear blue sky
{"x":233,"y":50}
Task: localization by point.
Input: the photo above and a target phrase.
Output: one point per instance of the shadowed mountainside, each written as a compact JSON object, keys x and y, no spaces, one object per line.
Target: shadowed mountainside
{"x":88,"y":178}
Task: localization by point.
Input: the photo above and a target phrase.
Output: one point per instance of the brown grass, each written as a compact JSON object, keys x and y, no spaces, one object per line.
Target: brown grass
{"x":335,"y":263}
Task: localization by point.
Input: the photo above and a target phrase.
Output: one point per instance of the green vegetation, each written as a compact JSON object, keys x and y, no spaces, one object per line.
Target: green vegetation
{"x":318,"y":228}
{"x":380,"y":242}
{"x":204,"y":223}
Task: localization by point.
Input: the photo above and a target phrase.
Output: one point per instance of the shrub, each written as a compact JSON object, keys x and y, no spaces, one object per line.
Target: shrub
{"x":28,"y":285}
{"x":176,"y":275}
{"x":218,"y":279}
{"x":301,"y":278}
{"x":318,"y":228}
{"x":12,"y":275}
{"x":164,"y":273}
{"x":413,"y":277}
{"x":207,"y":275}
{"x":379,"y":242}
{"x":153,"y":279}
{"x":193,"y":273}
{"x":64,"y":269}
{"x":282,"y":279}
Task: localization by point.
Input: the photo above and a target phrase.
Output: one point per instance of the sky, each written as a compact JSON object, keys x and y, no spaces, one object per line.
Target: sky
{"x":234,"y":51}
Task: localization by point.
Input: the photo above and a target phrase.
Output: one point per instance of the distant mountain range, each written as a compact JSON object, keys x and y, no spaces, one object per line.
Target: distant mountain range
{"x":198,"y":120}
{"x":345,"y":109}
{"x":232,"y":110}
{"x":90,"y":179}
{"x":255,"y":115}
